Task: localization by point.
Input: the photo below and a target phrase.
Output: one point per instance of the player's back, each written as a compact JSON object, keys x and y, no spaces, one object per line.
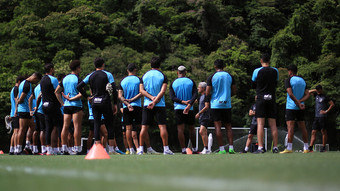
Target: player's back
{"x":221,"y":83}
{"x":24,"y":87}
{"x":130,"y":87}
{"x":69,"y":84}
{"x":14,"y":94}
{"x":48,"y":85}
{"x":183,"y":89}
{"x":266,"y":80}
{"x":153,"y":81}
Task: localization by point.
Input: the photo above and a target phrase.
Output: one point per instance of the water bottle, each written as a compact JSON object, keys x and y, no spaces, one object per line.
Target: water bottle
{"x":210,"y":141}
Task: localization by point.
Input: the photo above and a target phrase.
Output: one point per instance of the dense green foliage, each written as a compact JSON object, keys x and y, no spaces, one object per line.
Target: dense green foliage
{"x":183,"y":32}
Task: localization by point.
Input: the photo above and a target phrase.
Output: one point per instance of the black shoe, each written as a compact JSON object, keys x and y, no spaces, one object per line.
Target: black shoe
{"x":79,"y":153}
{"x":323,"y":149}
{"x":243,"y":151}
{"x":65,"y":153}
{"x":261,"y":151}
{"x":18,"y":153}
{"x":184,"y":153}
{"x":11,"y":153}
{"x":310,"y":149}
{"x":28,"y":151}
{"x":275,"y":150}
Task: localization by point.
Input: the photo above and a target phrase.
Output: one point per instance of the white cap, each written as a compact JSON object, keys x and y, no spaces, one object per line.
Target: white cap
{"x":182,"y":68}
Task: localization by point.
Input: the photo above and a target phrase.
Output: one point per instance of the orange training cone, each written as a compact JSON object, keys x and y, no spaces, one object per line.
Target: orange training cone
{"x":1,"y":152}
{"x":97,"y":152}
{"x":189,"y":151}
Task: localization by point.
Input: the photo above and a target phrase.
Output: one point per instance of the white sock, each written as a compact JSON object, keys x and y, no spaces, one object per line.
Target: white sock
{"x":246,"y":148}
{"x":79,"y":148}
{"x":11,"y":149}
{"x":59,"y":149}
{"x":141,"y":148}
{"x":305,"y":146}
{"x":231,"y":147}
{"x":290,"y":146}
{"x":260,"y":148}
{"x":132,"y":150}
{"x":43,"y":149}
{"x":166,"y":148}
{"x":16,"y":149}
{"x":19,"y":148}
{"x":64,"y":148}
{"x":149,"y":149}
{"x":35,"y":149}
{"x":69,"y":149}
{"x":28,"y":143}
{"x":183,"y":150}
{"x":275,"y":148}
{"x":222,"y":148}
{"x":111,"y":149}
{"x":127,"y":149}
{"x":55,"y":150}
{"x":116,"y":148}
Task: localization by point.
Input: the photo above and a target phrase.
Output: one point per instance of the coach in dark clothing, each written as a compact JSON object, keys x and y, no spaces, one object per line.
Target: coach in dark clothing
{"x":265,"y":80}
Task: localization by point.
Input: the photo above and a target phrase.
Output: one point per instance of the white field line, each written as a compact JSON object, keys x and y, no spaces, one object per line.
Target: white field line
{"x":179,"y":182}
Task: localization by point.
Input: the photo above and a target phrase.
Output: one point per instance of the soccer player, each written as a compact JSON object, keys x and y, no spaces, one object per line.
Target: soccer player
{"x":253,"y":127}
{"x":103,"y":130}
{"x":72,"y":107}
{"x":23,"y":109}
{"x":220,"y":87}
{"x":297,"y":93}
{"x":265,"y":80}
{"x":40,"y":119}
{"x":51,"y":105}
{"x":183,"y":92}
{"x":132,"y":107}
{"x":321,"y":109}
{"x":101,"y":82}
{"x":153,"y":87}
{"x":204,"y":116}
{"x":14,"y":117}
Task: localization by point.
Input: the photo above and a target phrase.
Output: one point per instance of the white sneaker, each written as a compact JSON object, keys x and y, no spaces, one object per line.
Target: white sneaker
{"x":140,"y":152}
{"x":133,"y":152}
{"x":205,"y":152}
{"x":168,"y":152}
{"x":152,"y":152}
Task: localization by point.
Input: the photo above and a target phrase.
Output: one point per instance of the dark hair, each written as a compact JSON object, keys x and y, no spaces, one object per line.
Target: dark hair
{"x":20,"y":79}
{"x":48,"y":67}
{"x":219,"y":64}
{"x":155,"y":62}
{"x":37,"y":75}
{"x":98,"y":62}
{"x":318,"y":87}
{"x":60,"y":77}
{"x":292,"y":68}
{"x":74,"y":65}
{"x":131,"y":67}
{"x":265,"y":58}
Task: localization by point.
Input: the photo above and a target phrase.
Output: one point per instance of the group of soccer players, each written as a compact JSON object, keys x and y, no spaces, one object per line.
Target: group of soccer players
{"x":52,"y":112}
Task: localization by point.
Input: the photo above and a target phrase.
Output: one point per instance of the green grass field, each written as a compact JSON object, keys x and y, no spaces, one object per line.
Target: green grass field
{"x":297,"y":171}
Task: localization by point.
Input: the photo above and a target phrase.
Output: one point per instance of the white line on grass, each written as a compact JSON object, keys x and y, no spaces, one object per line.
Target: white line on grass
{"x":179,"y":182}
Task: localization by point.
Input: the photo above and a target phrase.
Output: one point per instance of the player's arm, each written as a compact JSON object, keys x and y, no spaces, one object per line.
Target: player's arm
{"x":57,"y":93}
{"x":123,"y":100}
{"x":80,"y":88}
{"x":306,"y":96}
{"x":204,"y":109}
{"x":30,"y":104}
{"x":192,"y":100}
{"x":144,"y":92}
{"x":38,"y":100}
{"x":233,"y":90}
{"x":331,"y":105}
{"x":135,"y":98}
{"x":312,"y":91}
{"x":296,"y":101}
{"x":161,"y":93}
{"x":173,"y":95}
{"x":22,"y":97}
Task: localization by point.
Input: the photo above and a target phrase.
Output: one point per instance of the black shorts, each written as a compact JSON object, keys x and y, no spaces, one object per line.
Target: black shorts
{"x":253,"y":129}
{"x":24,"y":115}
{"x":91,"y":121}
{"x":148,"y":115}
{"x":132,"y":117}
{"x":53,"y":116}
{"x":188,"y":119}
{"x":319,"y":123}
{"x":295,"y":115}
{"x":206,"y":123}
{"x":71,"y":110}
{"x":265,"y":108}
{"x":40,"y":122}
{"x":223,"y":115}
{"x":15,"y":122}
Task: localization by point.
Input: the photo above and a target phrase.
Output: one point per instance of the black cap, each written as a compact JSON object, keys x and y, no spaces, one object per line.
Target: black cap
{"x":131,"y":67}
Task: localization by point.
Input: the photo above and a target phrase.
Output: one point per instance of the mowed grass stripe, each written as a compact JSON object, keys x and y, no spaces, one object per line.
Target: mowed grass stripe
{"x":183,"y":172}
